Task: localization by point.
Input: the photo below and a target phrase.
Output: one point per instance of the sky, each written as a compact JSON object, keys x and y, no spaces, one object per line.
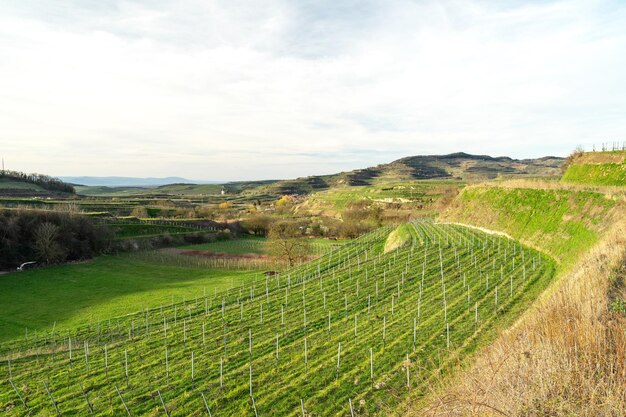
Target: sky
{"x":235,"y":90}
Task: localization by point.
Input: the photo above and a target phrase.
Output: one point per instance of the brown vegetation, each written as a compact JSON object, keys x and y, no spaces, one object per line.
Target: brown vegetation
{"x":572,"y":157}
{"x":566,"y":356}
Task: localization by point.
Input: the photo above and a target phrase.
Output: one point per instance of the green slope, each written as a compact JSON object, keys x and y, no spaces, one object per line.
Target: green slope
{"x":563,"y":223}
{"x":597,"y":168}
{"x":387,"y":321}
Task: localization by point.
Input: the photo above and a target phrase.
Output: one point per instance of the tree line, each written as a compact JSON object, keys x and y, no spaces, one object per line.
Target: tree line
{"x":44,"y":181}
{"x":49,"y":237}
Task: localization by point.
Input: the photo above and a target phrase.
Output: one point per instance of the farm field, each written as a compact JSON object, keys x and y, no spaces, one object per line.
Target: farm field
{"x":106,"y":286}
{"x":258,"y":245}
{"x":359,"y":329}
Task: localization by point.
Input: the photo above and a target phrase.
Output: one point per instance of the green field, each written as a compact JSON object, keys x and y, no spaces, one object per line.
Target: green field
{"x":356,"y":326}
{"x":107,"y":286}
{"x":9,"y":184}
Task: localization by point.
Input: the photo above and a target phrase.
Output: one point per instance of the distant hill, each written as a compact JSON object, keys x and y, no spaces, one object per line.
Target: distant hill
{"x":15,"y":183}
{"x":131,"y":181}
{"x":459,"y":166}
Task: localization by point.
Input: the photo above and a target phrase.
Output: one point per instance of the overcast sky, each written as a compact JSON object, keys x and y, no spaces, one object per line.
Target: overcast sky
{"x":226,"y":90}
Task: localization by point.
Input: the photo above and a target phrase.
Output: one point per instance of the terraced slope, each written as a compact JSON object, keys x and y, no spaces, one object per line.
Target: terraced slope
{"x":355,"y":328}
{"x":597,"y":168}
{"x":561,"y":222}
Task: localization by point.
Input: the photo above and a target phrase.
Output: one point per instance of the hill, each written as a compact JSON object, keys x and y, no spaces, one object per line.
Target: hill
{"x":131,"y":181}
{"x":455,"y":166}
{"x":15,"y":183}
{"x":459,"y":166}
{"x":597,"y":168}
{"x":180,"y":189}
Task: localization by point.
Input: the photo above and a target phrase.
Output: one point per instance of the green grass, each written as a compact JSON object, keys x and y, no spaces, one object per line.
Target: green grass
{"x":611,"y":174}
{"x":7,"y":184}
{"x":399,"y":237}
{"x":563,"y":223}
{"x":107,"y":286}
{"x":356,"y":287}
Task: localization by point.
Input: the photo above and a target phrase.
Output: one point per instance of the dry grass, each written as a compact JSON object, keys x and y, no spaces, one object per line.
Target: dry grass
{"x":565,"y":357}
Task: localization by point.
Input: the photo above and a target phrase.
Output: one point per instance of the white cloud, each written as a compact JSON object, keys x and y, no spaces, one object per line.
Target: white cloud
{"x":215,"y":90}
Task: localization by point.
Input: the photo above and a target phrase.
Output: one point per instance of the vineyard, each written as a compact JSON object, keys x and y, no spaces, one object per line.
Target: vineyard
{"x":357,"y":331}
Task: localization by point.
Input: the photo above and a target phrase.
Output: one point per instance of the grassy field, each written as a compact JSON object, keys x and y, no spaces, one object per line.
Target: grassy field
{"x":564,"y":223}
{"x":357,"y":327}
{"x":107,"y":286}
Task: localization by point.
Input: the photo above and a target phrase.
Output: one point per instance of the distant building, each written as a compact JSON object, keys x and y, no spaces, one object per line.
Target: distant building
{"x":223,"y":191}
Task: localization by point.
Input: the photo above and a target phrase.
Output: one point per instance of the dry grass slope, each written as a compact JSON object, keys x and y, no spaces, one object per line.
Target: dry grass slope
{"x":566,"y":356}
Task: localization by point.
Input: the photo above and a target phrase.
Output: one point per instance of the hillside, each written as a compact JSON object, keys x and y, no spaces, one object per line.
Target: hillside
{"x":565,"y":355}
{"x":597,"y":168}
{"x":130,"y":181}
{"x":563,"y":223}
{"x":456,"y":166}
{"x":15,"y":183}
{"x":357,"y":330}
{"x":459,"y":166}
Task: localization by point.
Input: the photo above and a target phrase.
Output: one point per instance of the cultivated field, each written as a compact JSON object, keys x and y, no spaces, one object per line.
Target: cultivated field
{"x":359,"y":330}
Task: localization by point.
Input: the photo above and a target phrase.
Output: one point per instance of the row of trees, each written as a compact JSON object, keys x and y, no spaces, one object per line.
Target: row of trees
{"x":48,"y":237}
{"x":44,"y":181}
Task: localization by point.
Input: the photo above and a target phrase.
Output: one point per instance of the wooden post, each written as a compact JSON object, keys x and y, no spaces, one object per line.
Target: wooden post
{"x":106,"y":361}
{"x":163,"y":403}
{"x":206,"y":405}
{"x":19,"y":396}
{"x":371,"y":366}
{"x":126,"y":365}
{"x":408,"y":375}
{"x":256,"y":414}
{"x":123,"y":402}
{"x":338,"y":359}
{"x":414,"y":332}
{"x":56,"y":407}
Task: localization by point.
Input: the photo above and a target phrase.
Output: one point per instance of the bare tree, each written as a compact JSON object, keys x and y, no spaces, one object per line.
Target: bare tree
{"x":286,"y":239}
{"x":46,"y":243}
